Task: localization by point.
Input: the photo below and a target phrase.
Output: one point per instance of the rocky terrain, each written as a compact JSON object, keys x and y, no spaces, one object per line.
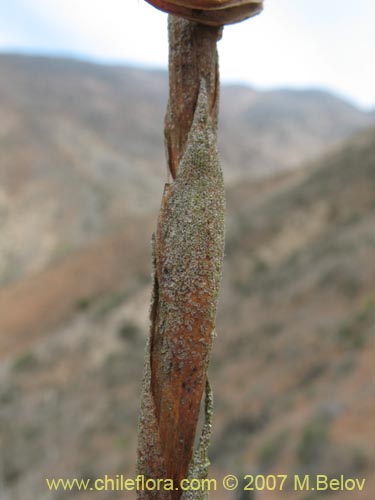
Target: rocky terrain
{"x":81,"y":170}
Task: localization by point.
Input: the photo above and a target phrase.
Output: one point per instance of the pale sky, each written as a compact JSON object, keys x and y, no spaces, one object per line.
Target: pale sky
{"x":299,"y":43}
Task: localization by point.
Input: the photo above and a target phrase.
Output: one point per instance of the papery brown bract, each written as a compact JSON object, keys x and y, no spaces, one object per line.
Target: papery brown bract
{"x":211,"y":12}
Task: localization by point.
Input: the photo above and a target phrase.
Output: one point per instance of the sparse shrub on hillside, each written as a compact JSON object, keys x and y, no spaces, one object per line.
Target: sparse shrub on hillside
{"x":346,"y":365}
{"x":87,"y":472}
{"x":128,"y":331}
{"x":10,"y":472}
{"x":353,"y":333}
{"x":272,"y":448}
{"x":252,"y":280}
{"x":8,"y":393}
{"x":260,"y":266}
{"x":312,"y":373}
{"x":235,"y":437}
{"x":243,"y":287}
{"x":25,"y":362}
{"x":360,"y":459}
{"x":83,"y":303}
{"x":314,"y":440}
{"x":119,"y":366}
{"x":110,"y":302}
{"x":241,"y":493}
{"x":32,"y":432}
{"x":273,"y":328}
{"x":123,"y":442}
{"x":350,"y":286}
{"x":341,"y":279}
{"x":349,"y":337}
{"x":313,"y":496}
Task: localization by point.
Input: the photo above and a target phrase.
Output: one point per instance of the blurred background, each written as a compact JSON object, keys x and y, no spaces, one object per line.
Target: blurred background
{"x":83,"y":91}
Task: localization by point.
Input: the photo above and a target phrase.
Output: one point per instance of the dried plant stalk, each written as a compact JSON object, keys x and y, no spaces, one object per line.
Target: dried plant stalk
{"x":188,"y":255}
{"x":192,"y":57}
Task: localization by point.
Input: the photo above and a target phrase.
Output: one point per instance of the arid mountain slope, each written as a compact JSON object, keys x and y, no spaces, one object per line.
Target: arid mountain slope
{"x":292,"y":365}
{"x":298,"y":321}
{"x":81,"y":149}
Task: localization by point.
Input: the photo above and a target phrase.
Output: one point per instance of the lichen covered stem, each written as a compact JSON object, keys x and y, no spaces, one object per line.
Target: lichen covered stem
{"x":188,"y":250}
{"x":192,"y":57}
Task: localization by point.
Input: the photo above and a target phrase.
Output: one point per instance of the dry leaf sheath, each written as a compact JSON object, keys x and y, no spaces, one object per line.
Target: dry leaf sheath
{"x":188,"y":255}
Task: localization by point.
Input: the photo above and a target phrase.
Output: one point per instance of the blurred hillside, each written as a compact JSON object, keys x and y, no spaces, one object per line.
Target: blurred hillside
{"x":292,"y":366}
{"x":81,"y":149}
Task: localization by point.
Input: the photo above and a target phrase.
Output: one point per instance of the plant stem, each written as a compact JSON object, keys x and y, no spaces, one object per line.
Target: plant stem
{"x":188,"y":254}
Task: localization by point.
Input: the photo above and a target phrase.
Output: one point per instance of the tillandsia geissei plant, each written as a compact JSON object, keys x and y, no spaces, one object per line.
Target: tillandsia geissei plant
{"x":188,"y":250}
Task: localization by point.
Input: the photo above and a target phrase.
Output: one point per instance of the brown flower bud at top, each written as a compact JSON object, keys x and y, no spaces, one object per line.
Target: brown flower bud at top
{"x":211,"y":12}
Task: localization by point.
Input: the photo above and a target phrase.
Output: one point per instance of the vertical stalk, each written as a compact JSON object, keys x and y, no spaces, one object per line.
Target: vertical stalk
{"x":192,"y":56}
{"x":187,"y":254}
